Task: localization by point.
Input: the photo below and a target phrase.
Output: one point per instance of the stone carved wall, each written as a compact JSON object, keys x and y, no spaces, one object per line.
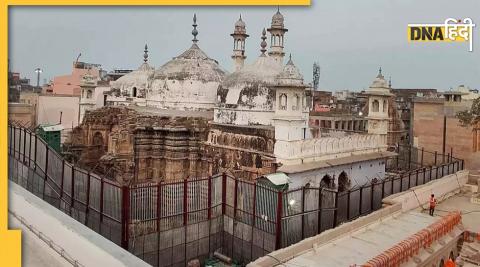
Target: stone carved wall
{"x":246,"y":152}
{"x":138,"y":147}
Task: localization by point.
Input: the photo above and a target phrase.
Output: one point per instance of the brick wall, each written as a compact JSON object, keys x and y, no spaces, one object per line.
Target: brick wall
{"x":428,"y":133}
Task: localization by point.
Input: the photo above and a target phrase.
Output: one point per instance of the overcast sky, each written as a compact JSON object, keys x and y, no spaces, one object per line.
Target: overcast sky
{"x":349,"y":38}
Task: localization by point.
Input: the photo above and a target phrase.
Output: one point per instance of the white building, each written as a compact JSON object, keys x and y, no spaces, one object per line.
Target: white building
{"x":269,"y":93}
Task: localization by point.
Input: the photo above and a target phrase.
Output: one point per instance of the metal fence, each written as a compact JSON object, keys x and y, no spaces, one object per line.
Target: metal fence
{"x":170,"y":223}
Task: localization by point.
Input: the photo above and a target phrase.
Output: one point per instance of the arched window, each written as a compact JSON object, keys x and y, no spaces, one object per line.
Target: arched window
{"x":258,"y":161}
{"x":375,"y":106}
{"x":97,"y":139}
{"x":283,"y":102}
{"x":326,"y":181}
{"x":296,"y":102}
{"x":134,"y":91}
{"x":442,"y":263}
{"x":343,"y":182}
{"x":89,"y":94}
{"x":384,"y":106}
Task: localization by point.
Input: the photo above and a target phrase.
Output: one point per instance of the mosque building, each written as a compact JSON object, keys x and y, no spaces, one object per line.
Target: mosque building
{"x":190,"y":117}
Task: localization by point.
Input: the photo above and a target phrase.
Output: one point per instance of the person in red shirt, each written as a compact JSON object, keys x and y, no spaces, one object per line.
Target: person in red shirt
{"x":433,"y":202}
{"x":450,"y":263}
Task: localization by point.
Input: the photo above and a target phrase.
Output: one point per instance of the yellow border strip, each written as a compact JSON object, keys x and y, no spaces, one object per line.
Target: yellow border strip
{"x":161,"y":2}
{"x":10,"y":240}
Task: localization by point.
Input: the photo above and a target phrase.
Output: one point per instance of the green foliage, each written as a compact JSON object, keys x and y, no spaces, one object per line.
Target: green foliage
{"x":470,"y":117}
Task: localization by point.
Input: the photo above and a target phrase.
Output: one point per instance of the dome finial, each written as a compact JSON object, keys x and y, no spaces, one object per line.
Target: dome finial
{"x":380,"y":73}
{"x":194,"y":31}
{"x":145,"y":55}
{"x":263,"y":44}
{"x":390,"y":82}
{"x":290,"y":62}
{"x":240,"y":16}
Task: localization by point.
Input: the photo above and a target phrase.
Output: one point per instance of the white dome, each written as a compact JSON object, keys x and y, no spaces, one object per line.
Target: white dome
{"x":187,"y":82}
{"x":290,"y":75}
{"x":379,"y":86}
{"x":240,"y":23}
{"x":138,"y":78}
{"x":191,"y":64}
{"x":278,"y":20}
{"x":251,"y":86}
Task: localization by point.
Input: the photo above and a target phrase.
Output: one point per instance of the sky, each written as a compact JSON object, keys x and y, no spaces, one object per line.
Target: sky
{"x":350,"y":39}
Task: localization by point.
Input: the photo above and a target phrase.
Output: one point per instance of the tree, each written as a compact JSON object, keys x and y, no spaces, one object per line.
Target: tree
{"x":470,"y":117}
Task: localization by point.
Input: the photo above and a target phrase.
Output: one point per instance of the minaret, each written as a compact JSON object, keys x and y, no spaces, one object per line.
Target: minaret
{"x":239,"y":35}
{"x":378,"y":98}
{"x":277,"y":31}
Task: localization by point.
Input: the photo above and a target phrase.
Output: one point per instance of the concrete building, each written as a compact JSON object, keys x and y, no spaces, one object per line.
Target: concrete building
{"x":404,"y":105}
{"x":59,"y":109}
{"x":436,"y":128}
{"x":70,"y":84}
{"x":22,"y":113}
{"x":323,"y":101}
{"x":17,"y":85}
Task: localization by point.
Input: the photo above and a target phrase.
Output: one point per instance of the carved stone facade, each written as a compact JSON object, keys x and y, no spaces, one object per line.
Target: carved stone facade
{"x":134,"y":144}
{"x":246,"y":152}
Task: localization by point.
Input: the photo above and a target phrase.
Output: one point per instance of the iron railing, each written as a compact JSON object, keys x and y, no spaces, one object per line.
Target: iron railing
{"x":171,"y":222}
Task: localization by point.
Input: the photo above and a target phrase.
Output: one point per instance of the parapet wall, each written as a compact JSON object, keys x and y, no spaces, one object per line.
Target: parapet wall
{"x":420,"y":195}
{"x":324,"y":148}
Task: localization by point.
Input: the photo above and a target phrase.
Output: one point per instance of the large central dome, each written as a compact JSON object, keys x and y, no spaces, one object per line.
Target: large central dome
{"x":188,"y":81}
{"x":192,"y":64}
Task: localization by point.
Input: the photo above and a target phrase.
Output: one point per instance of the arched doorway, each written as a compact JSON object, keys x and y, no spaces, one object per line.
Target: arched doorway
{"x":343,"y":182}
{"x":326,"y":181}
{"x":134,"y":93}
{"x":97,"y":139}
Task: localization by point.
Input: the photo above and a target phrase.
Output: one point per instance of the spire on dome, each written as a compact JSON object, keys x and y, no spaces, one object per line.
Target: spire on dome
{"x":195,"y":31}
{"x":290,"y":62}
{"x":390,"y":82}
{"x":263,"y":44}
{"x":145,"y":55}
{"x":380,"y":73}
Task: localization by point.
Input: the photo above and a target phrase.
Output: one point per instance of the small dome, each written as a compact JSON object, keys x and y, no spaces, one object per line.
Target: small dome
{"x":379,"y":81}
{"x":290,"y":75}
{"x":379,"y":86}
{"x":192,"y":64}
{"x":138,"y":78}
{"x":240,"y":23}
{"x":278,"y":20}
{"x":239,"y":28}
